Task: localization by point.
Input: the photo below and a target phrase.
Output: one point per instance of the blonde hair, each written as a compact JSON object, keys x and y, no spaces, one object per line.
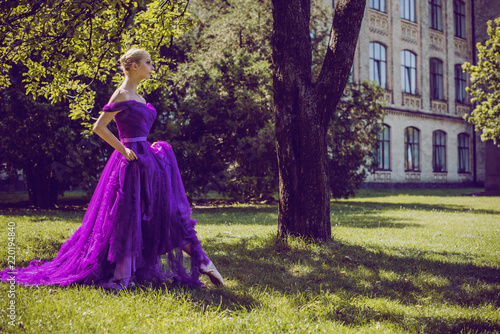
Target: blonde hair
{"x":133,"y":55}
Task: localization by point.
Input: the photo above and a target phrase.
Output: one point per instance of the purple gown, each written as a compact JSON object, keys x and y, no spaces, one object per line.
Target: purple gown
{"x":137,"y":220}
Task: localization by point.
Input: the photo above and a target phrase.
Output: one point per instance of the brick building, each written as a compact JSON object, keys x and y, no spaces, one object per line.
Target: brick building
{"x":414,"y":49}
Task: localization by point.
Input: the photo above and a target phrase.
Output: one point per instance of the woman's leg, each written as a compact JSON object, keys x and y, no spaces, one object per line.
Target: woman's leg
{"x":188,"y":249}
{"x":206,"y":266}
{"x":124,"y":270}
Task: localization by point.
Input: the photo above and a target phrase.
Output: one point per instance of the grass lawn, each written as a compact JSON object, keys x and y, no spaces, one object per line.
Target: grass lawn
{"x":422,"y":261}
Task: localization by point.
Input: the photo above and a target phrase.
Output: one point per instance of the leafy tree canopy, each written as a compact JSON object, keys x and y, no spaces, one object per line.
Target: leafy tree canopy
{"x":222,"y":98}
{"x":40,"y":139}
{"x":67,"y":45}
{"x":485,"y":85}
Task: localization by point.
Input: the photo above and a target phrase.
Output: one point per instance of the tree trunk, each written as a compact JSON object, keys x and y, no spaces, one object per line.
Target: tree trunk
{"x":303,"y":110}
{"x":43,"y":187}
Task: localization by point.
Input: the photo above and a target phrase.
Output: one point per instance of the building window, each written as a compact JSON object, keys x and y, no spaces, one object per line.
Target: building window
{"x":412,"y":149}
{"x":408,"y":72}
{"x":436,"y":67}
{"x":439,"y":151}
{"x":460,"y":85}
{"x":378,"y":5}
{"x":463,"y":153}
{"x":378,"y":64}
{"x":351,"y":76}
{"x":383,"y":149}
{"x":435,"y":16}
{"x":408,"y":10}
{"x":459,"y":16}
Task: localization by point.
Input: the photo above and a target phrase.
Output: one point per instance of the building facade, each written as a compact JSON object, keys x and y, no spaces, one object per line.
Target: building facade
{"x":414,"y":49}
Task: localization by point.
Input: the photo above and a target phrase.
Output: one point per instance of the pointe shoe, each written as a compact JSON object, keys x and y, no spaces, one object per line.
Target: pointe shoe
{"x":212,"y":273}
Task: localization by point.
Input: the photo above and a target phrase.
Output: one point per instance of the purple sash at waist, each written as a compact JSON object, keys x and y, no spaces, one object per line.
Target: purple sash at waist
{"x":134,"y":139}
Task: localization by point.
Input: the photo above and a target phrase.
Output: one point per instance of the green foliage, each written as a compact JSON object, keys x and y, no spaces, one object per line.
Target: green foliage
{"x":68,"y":45}
{"x":38,"y":135}
{"x":485,"y":86}
{"x":222,"y":98}
{"x":352,"y":137}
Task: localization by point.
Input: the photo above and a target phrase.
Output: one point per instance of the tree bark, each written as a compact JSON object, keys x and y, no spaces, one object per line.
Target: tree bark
{"x":303,"y":110}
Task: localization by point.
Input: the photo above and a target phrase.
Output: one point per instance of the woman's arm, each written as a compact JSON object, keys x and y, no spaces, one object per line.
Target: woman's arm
{"x":101,"y":128}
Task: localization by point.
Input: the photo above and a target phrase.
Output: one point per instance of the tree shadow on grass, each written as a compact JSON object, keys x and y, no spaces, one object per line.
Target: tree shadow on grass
{"x":352,"y":271}
{"x":374,"y":221}
{"x":361,"y":207}
{"x":47,"y":248}
{"x":250,"y":215}
{"x":364,"y":214}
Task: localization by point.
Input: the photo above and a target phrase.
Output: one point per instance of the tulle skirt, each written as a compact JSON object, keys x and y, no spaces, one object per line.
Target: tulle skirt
{"x":139,"y":210}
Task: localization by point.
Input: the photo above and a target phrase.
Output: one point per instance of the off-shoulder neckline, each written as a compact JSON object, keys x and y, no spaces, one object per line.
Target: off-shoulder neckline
{"x":132,"y":100}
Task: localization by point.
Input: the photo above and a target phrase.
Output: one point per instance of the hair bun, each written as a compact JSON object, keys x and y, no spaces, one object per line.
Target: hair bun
{"x":133,"y":55}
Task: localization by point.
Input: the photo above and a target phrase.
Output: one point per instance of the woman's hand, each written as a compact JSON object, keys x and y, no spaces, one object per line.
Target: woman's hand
{"x":129,"y":154}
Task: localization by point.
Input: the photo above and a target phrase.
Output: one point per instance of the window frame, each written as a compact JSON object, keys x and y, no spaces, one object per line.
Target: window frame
{"x":459,"y":19}
{"x":436,"y":77}
{"x":460,"y":85}
{"x":408,"y":72}
{"x":408,"y":10}
{"x":383,"y":149}
{"x":378,"y":5}
{"x":436,"y":15}
{"x":463,"y":146}
{"x":439,"y":151}
{"x":379,"y":65}
{"x":412,"y":146}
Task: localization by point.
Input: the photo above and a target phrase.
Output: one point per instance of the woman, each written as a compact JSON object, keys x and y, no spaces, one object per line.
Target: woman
{"x":139,"y":210}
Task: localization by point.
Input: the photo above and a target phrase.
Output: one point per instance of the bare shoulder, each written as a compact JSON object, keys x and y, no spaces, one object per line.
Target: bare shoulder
{"x":119,"y":95}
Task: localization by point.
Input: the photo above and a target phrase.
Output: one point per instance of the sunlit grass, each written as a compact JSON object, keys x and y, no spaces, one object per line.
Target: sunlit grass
{"x":424,"y":261}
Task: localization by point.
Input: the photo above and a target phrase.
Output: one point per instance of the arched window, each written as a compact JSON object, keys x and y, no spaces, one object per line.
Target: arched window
{"x":436,"y":77}
{"x":378,"y":64}
{"x":463,"y":153}
{"x":439,"y":151}
{"x":412,"y":149}
{"x":378,"y":5}
{"x":408,"y":72}
{"x":435,"y":15}
{"x":383,"y":149}
{"x":460,"y":85}
{"x":408,"y":10}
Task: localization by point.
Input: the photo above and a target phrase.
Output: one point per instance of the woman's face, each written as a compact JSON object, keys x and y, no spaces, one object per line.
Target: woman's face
{"x":145,"y":68}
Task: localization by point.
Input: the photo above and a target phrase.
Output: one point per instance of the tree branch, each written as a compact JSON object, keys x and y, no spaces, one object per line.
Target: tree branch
{"x":339,"y":55}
